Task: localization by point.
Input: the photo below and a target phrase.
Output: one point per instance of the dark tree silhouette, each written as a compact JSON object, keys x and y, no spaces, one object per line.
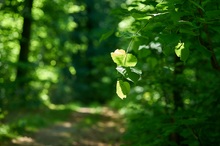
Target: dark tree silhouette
{"x":22,"y":70}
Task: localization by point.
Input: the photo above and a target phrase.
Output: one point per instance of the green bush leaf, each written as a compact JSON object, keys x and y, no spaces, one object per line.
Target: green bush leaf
{"x":130,"y":74}
{"x":106,"y":35}
{"x":121,"y":58}
{"x":188,"y":31}
{"x":184,"y":54}
{"x":213,"y":14}
{"x":169,"y":42}
{"x":122,"y":89}
{"x":202,"y":49}
{"x":152,"y":61}
{"x":182,"y":51}
{"x":197,"y":5}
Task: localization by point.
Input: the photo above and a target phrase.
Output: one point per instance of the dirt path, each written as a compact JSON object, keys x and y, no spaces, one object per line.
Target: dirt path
{"x":85,"y":127}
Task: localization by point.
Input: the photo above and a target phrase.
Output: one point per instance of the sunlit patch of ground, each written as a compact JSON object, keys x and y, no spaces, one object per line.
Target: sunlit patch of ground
{"x":85,"y":127}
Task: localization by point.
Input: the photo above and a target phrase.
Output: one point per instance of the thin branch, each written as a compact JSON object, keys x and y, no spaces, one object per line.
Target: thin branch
{"x":135,"y":34}
{"x":208,"y":45}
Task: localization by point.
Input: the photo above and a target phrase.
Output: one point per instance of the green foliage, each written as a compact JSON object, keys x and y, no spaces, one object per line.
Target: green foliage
{"x":66,"y":58}
{"x":64,"y":54}
{"x":125,"y":63}
{"x":123,"y":59}
{"x":175,"y":42}
{"x":131,"y":74}
{"x":122,"y":88}
{"x":182,"y":51}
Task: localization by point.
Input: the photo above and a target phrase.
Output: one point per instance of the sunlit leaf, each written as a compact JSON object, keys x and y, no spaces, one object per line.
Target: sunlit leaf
{"x":122,"y":89}
{"x":121,"y":58}
{"x":178,"y":49}
{"x":182,"y":51}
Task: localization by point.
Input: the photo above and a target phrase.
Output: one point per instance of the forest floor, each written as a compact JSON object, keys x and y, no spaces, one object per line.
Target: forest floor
{"x":84,"y":127}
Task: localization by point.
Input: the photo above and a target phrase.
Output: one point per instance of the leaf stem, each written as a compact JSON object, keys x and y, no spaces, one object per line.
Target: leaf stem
{"x":208,"y":44}
{"x":132,"y":40}
{"x":133,"y":37}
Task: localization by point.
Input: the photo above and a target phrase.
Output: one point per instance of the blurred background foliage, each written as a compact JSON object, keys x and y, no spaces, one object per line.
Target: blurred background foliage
{"x":58,"y":52}
{"x":51,"y":53}
{"x":64,"y":60}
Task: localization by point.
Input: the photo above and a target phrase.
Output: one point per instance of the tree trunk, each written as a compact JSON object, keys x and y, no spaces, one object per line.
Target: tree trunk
{"x":178,"y":70}
{"x":177,"y":98}
{"x":22,"y":69}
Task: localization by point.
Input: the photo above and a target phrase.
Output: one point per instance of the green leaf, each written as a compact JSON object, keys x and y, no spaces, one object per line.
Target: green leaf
{"x":130,"y":74}
{"x":121,"y":58}
{"x":169,"y":42}
{"x":187,"y":23}
{"x":122,"y":89}
{"x":202,"y":49}
{"x":139,"y":16}
{"x":143,"y":53}
{"x":184,"y":54}
{"x":125,"y":34}
{"x":182,"y":51}
{"x":188,"y":31}
{"x":106,"y":35}
{"x":213,"y":14}
{"x":197,"y":5}
{"x":152,"y":61}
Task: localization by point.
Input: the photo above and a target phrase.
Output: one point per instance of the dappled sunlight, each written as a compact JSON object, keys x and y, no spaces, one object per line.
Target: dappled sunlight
{"x":86,"y":110}
{"x":85,"y":126}
{"x":22,"y":140}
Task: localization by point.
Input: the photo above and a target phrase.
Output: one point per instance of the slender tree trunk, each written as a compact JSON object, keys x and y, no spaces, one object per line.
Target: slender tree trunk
{"x":22,"y":69}
{"x":178,"y":70}
{"x":90,"y":25}
{"x":177,"y":98}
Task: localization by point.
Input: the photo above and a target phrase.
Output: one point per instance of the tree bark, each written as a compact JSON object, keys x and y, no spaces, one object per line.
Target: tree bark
{"x":22,"y":68}
{"x":177,"y":98}
{"x":178,"y":70}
